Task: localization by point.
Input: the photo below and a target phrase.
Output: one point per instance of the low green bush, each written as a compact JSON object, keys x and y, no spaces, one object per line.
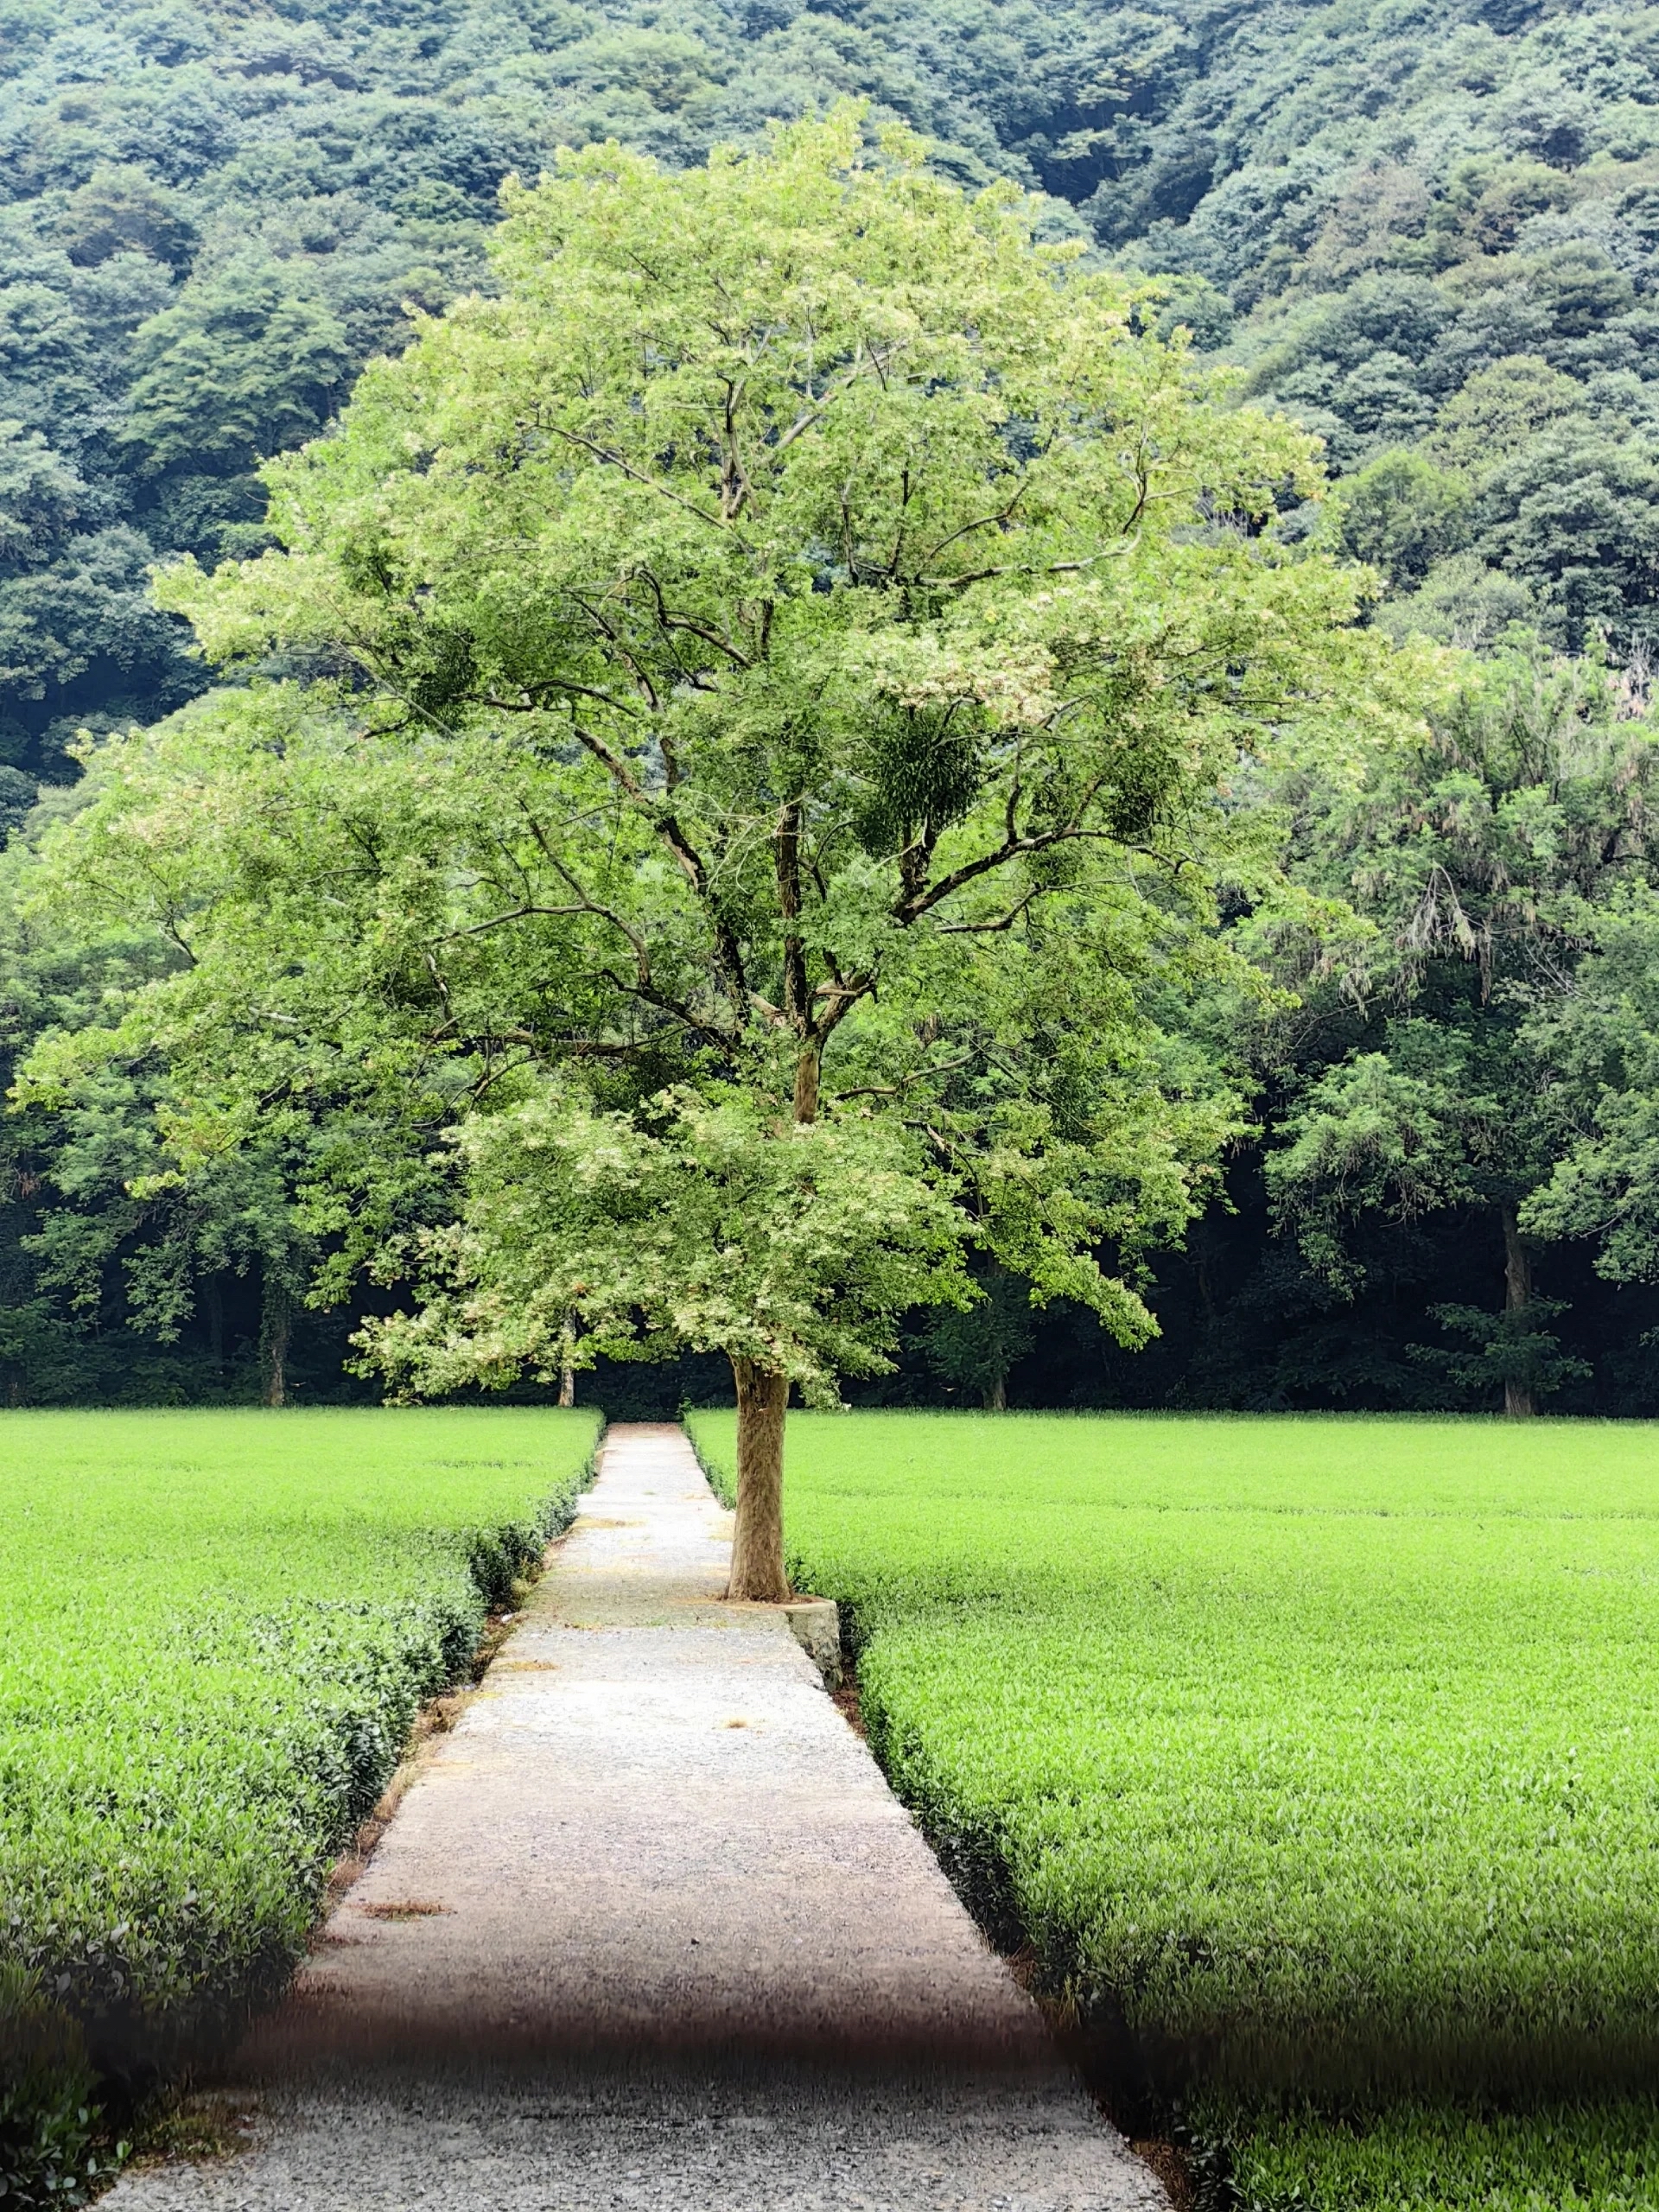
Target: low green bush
{"x":1592,"y":2155}
{"x":215,"y":1633}
{"x":1314,"y":1759}
{"x":50,"y":2152}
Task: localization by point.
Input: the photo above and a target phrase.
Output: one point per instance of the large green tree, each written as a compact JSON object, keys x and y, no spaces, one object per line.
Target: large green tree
{"x":779,"y":665}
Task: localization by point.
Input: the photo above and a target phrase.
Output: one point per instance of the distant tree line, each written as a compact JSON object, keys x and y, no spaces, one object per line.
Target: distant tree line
{"x":1429,"y":233}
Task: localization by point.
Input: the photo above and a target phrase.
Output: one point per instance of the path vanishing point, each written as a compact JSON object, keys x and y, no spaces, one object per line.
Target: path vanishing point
{"x":650,"y":1929}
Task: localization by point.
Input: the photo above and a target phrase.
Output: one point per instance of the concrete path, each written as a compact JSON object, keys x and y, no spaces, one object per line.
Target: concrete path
{"x":650,"y":1929}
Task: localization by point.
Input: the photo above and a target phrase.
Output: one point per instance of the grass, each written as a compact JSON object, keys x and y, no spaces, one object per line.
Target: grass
{"x":216,"y":1630}
{"x":1318,"y":1760}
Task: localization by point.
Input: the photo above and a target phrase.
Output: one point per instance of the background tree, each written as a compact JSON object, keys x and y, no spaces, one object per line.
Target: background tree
{"x":795,"y":662}
{"x":1601,"y":1043}
{"x":1483,"y":859}
{"x":1373,"y":210}
{"x":119,"y":1279}
{"x":976,"y":1348}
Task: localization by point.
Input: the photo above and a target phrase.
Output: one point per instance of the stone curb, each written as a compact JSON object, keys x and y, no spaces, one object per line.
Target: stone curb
{"x":815,"y":1623}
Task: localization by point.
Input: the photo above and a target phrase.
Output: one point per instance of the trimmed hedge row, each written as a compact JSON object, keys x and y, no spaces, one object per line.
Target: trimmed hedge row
{"x":216,"y":1632}
{"x":1315,"y":1759}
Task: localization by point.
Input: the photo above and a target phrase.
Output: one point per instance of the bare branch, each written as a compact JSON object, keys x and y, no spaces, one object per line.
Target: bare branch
{"x":735,"y":488}
{"x":670,"y":621}
{"x":979,"y":521}
{"x":786,"y":849}
{"x":535,"y":702}
{"x":912,"y":910}
{"x":805,"y":421}
{"x":841,"y":997}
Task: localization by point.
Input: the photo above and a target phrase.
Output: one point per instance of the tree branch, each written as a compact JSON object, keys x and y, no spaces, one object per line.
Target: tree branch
{"x":989,"y":929}
{"x":909,"y":1082}
{"x":614,"y":459}
{"x":786,"y":849}
{"x":912,"y":910}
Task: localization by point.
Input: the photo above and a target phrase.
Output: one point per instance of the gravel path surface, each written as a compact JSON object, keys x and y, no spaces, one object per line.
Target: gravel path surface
{"x":650,"y":1930}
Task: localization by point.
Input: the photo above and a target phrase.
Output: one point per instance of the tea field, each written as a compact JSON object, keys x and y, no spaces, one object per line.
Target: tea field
{"x":215,"y":1631}
{"x":1317,"y":1761}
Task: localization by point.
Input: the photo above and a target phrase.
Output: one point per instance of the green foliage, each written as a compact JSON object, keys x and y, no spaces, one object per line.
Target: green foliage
{"x":1604,"y":1039}
{"x":973,"y":1348}
{"x":779,"y":793}
{"x":50,"y":2152}
{"x":1319,"y":1752}
{"x":1512,"y":1353}
{"x":215,"y":216}
{"x":1400,"y":1133}
{"x":1428,"y":232}
{"x":115,"y":1282}
{"x":198,"y":247}
{"x":1401,"y":514}
{"x":217,"y":1631}
{"x":1499,"y":410}
{"x":1438,"y":224}
{"x":1432,"y":1070}
{"x":1604,"y":2154}
{"x":698,"y":1230}
{"x":240,"y":368}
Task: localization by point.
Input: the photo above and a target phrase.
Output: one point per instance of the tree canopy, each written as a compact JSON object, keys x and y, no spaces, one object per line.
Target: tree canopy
{"x":779,"y":662}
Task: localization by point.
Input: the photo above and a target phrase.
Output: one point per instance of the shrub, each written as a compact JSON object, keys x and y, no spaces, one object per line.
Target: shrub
{"x":217,"y":1630}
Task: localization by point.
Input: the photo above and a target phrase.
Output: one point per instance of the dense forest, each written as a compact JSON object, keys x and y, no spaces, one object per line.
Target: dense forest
{"x":1429,"y":233}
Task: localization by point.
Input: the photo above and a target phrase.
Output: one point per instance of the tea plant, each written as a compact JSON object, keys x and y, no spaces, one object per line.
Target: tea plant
{"x":215,"y":1631}
{"x":1314,"y":1758}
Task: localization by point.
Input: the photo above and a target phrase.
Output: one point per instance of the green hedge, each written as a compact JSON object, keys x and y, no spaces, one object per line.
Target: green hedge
{"x":216,"y":1632}
{"x":1314,"y":1758}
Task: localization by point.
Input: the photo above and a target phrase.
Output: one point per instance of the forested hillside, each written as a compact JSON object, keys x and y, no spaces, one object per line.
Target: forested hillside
{"x":1431,"y":233}
{"x":1418,"y":226}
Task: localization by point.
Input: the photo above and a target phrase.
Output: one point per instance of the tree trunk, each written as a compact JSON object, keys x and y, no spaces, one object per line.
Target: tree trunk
{"x":567,"y":1372}
{"x":996,"y":1398}
{"x":273,"y":1341}
{"x":806,"y":1086}
{"x":757,"y":1574}
{"x":1518,"y":1296}
{"x":758,"y":1539}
